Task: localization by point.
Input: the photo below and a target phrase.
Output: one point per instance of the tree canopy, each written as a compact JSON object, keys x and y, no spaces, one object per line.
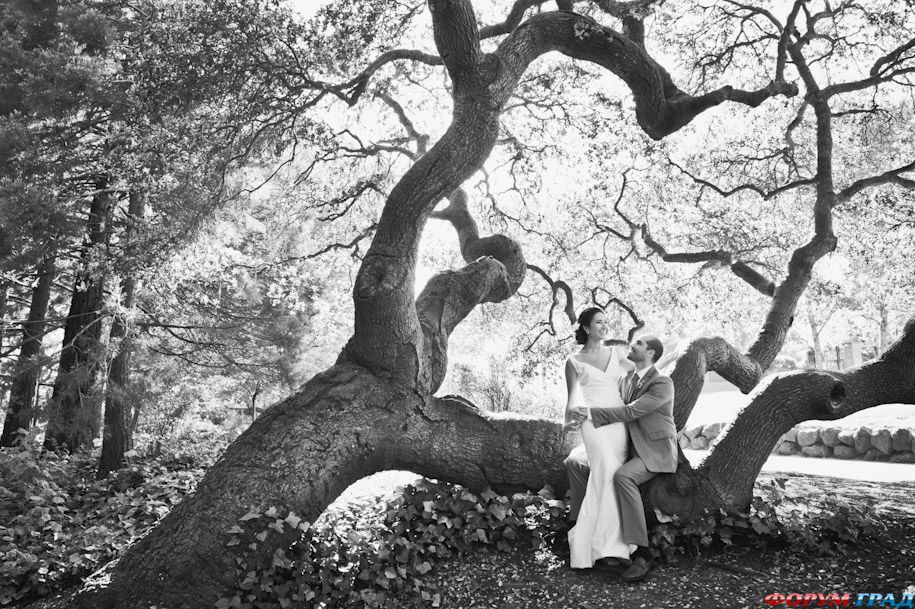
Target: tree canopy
{"x":213,"y":179}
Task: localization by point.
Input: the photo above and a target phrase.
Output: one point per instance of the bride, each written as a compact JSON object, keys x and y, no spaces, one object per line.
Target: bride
{"x":592,"y":377}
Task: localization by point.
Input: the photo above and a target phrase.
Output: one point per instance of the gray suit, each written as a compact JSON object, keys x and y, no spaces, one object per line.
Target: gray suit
{"x":648,"y":415}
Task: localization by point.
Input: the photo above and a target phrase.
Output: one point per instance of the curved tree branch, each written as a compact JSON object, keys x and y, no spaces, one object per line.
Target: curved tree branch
{"x":757,"y":280}
{"x":892,"y":176}
{"x":556,"y":286}
{"x":495,"y":271}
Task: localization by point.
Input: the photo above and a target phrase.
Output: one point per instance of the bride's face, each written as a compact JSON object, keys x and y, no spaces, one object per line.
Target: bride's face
{"x":599,"y":328}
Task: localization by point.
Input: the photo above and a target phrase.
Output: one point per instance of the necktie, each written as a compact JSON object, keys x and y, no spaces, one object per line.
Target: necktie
{"x":634,"y":386}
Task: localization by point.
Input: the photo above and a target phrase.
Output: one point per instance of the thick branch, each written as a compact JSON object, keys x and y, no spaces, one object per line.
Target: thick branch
{"x":892,"y":176}
{"x":495,"y":271}
{"x":790,"y":399}
{"x":506,"y":452}
{"x":457,"y":37}
{"x":710,"y":355}
{"x":661,"y":108}
{"x":556,"y":286}
{"x":757,"y":280}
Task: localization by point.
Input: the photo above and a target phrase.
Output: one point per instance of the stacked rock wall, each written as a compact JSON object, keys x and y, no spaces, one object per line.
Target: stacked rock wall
{"x":894,"y":445}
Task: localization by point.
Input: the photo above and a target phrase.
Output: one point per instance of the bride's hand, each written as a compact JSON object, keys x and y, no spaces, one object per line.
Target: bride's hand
{"x":577,"y":416}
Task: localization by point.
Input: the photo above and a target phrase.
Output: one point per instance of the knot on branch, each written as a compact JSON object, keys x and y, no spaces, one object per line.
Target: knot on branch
{"x":810,"y":394}
{"x":473,"y":248}
{"x":781,"y":87}
{"x":679,"y":494}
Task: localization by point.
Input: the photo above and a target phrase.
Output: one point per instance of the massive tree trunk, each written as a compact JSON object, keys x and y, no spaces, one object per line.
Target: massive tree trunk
{"x":117,"y":434}
{"x":25,"y":377}
{"x":301,"y":454}
{"x":73,"y":420}
{"x":374,"y":409}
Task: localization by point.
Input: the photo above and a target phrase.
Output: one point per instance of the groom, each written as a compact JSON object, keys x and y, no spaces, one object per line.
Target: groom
{"x":648,"y":413}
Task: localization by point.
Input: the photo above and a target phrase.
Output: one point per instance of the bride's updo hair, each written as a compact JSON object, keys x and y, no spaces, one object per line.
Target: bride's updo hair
{"x":584,"y":320}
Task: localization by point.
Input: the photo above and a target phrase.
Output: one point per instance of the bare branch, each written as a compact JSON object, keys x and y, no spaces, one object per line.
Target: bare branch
{"x":421,"y":139}
{"x":719,"y":258}
{"x":351,"y":90}
{"x":512,"y":20}
{"x":892,"y":176}
{"x":556,"y":286}
{"x":638,"y":323}
{"x":766,"y":195}
{"x":784,"y":39}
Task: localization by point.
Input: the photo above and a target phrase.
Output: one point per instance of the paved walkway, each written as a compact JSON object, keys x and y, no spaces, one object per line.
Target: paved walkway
{"x":870,"y":471}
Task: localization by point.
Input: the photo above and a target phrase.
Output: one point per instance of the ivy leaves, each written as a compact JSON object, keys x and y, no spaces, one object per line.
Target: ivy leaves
{"x":378,"y":551}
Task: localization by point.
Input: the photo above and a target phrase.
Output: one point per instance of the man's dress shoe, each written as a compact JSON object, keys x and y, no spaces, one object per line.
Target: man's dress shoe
{"x":637,"y":571}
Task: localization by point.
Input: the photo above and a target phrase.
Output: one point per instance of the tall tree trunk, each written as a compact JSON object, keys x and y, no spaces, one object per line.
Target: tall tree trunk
{"x":884,"y":312}
{"x":817,"y":347}
{"x":25,"y":377}
{"x":117,"y":436}
{"x":73,"y":419}
{"x":4,"y":304}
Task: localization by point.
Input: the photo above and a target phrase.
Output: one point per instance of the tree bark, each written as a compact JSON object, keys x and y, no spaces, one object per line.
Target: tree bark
{"x":74,"y":410}
{"x":301,"y":454}
{"x":373,"y":410}
{"x":117,"y":435}
{"x":25,"y":377}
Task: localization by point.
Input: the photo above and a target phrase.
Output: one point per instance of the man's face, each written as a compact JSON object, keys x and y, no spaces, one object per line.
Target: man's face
{"x":639,"y":353}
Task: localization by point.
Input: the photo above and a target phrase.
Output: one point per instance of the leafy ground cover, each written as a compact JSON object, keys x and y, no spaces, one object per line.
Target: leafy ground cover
{"x":735,"y":577}
{"x":437,"y":545}
{"x":58,"y":523}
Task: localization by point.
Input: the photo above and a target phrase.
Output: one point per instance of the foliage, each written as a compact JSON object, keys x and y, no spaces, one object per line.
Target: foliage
{"x":776,"y":520}
{"x":58,"y":524}
{"x":371,"y":556}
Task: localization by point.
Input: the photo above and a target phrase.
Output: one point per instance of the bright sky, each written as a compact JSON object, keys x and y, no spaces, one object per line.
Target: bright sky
{"x":306,"y":8}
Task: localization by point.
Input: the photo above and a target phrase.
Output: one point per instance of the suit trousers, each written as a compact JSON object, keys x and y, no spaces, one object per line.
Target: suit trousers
{"x":578,"y":470}
{"x":626,"y":480}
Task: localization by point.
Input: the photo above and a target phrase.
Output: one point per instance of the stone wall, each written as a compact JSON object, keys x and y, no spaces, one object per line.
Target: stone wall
{"x":806,"y":440}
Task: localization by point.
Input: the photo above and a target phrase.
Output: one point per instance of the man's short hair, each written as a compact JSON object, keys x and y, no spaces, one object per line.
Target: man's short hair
{"x":655,"y":344}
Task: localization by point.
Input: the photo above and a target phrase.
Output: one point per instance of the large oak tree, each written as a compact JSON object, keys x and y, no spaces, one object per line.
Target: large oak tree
{"x":376,"y":408}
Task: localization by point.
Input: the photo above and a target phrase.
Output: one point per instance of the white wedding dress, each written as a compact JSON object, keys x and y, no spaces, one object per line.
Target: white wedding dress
{"x":597,"y":532}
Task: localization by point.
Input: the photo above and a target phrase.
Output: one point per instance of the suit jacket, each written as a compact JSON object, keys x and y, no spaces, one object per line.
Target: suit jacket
{"x":649,"y":416}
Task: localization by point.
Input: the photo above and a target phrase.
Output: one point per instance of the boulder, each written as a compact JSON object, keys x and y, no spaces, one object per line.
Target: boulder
{"x":808,"y":436}
{"x":874,"y":454}
{"x":905,"y":457}
{"x":788,"y":448}
{"x":863,"y":440}
{"x":843,"y":451}
{"x":816,"y":450}
{"x":847,"y":436}
{"x":712,"y":430}
{"x":683,"y":441}
{"x":830,"y":436}
{"x":882,"y":440}
{"x":902,"y":440}
{"x":699,"y":443}
{"x":790,"y":435}
{"x":692,"y":432}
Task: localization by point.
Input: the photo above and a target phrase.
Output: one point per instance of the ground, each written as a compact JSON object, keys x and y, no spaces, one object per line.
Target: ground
{"x":881,"y":563}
